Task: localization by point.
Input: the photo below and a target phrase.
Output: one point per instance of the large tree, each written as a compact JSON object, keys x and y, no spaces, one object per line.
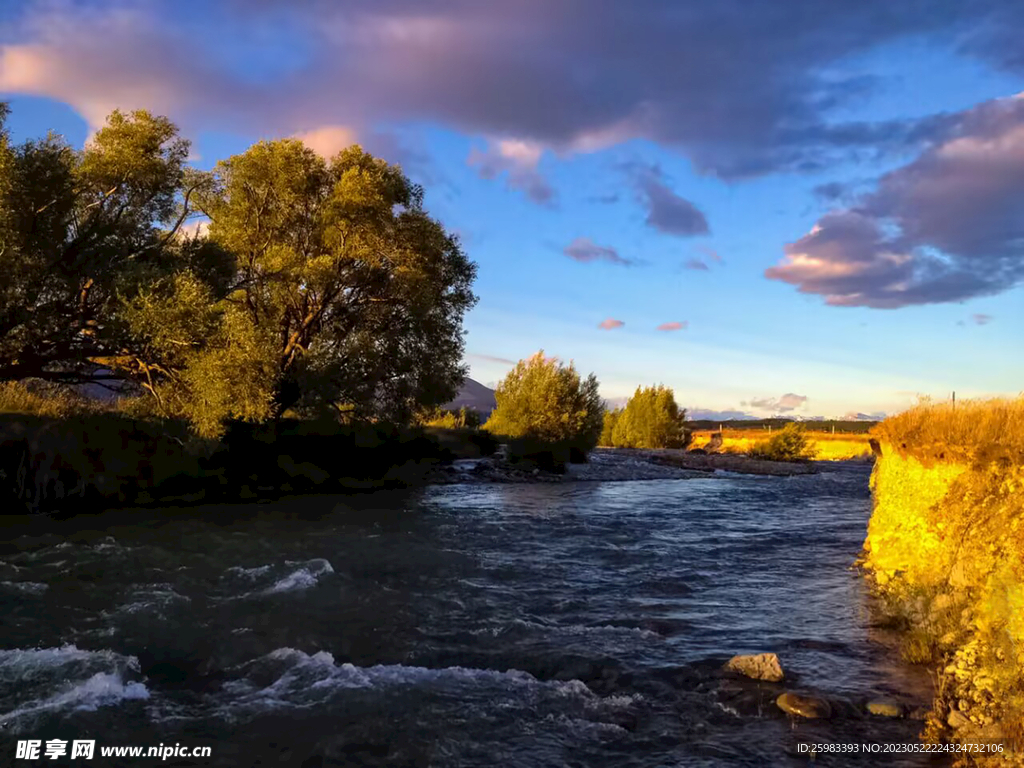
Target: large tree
{"x":351,"y":296}
{"x":78,"y":231}
{"x":317,"y":286}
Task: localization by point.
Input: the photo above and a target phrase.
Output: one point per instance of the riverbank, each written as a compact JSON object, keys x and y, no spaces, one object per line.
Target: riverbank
{"x":100,"y":461}
{"x":615,"y":465}
{"x":825,"y":446}
{"x":945,"y":553}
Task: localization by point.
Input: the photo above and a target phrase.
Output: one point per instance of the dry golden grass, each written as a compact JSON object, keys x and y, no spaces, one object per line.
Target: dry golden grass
{"x":970,"y":432}
{"x":827,"y":446}
{"x":41,"y":399}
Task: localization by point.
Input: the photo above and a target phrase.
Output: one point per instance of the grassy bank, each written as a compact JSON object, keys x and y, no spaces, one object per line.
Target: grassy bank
{"x":945,"y":553}
{"x":827,"y":446}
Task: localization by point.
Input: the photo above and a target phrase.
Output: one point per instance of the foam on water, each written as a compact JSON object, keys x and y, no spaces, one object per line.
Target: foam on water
{"x":38,"y":681}
{"x":289,"y":678}
{"x":308,"y":575}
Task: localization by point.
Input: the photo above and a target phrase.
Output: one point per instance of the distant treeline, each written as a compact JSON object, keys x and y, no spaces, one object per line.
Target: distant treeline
{"x":857,"y":427}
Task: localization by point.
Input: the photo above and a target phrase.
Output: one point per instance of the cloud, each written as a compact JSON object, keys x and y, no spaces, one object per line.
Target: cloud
{"x":981,"y":319}
{"x":491,"y":358}
{"x":610,"y":323}
{"x":195,"y":228}
{"x":666,"y":211}
{"x":328,"y":140}
{"x":519,"y":160}
{"x":696,"y":264}
{"x":674,"y":326}
{"x":857,"y":416}
{"x":945,"y":227}
{"x":788,"y":402}
{"x":572,"y":76}
{"x":586,"y":250}
{"x":707,"y":414}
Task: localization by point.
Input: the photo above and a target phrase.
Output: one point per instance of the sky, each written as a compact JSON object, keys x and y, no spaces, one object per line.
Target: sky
{"x":796,"y":208}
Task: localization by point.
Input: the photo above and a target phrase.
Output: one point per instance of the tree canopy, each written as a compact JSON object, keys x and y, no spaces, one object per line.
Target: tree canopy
{"x":650,"y":419}
{"x":317,"y":286}
{"x":543,"y":399}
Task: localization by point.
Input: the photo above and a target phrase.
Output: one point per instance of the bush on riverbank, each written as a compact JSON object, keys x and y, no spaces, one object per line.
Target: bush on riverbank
{"x":789,"y":444}
{"x":651,"y":419}
{"x":945,"y":551}
{"x":546,"y":407}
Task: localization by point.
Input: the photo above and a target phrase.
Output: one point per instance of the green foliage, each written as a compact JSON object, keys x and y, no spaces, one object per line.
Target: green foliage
{"x":611,"y":417}
{"x":651,"y":419}
{"x":446,"y":419}
{"x":359,"y":293}
{"x":79,"y":229}
{"x":543,"y":400}
{"x":789,"y":444}
{"x":321,"y":287}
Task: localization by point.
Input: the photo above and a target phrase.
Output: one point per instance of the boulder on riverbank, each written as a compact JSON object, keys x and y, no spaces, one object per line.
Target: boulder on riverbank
{"x":761,"y":666}
{"x":803,"y":705}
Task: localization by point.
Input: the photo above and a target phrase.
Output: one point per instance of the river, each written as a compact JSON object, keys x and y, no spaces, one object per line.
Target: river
{"x":577,"y":624}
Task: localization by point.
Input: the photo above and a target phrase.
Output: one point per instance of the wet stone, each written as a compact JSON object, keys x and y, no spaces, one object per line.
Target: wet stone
{"x":761,"y":666}
{"x":885,"y":707}
{"x":802,"y":705}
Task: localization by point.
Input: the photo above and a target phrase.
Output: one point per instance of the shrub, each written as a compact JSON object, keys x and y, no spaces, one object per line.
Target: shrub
{"x":790,"y":444}
{"x":446,"y":419}
{"x":547,"y":402}
{"x":651,"y":419}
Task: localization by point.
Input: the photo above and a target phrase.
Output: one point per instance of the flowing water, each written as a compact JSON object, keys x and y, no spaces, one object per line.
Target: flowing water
{"x":579,"y":624}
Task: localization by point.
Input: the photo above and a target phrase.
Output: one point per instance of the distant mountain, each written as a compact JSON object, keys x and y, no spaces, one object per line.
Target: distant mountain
{"x":475,"y":396}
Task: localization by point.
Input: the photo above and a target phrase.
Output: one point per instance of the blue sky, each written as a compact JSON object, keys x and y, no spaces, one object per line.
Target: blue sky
{"x":822,"y":205}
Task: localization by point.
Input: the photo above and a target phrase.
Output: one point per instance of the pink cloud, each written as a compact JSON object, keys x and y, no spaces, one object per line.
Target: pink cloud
{"x":520,"y":161}
{"x":945,"y":227}
{"x":328,"y":140}
{"x":610,"y":323}
{"x":674,"y":326}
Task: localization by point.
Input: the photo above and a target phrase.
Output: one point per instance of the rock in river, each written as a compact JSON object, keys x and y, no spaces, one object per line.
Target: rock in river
{"x":761,"y":666}
{"x":885,"y":708}
{"x":804,"y":706}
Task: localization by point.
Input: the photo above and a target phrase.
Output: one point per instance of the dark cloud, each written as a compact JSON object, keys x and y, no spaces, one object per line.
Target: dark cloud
{"x":831,"y":192}
{"x":491,"y":358}
{"x":666,"y":211}
{"x":695,"y":263}
{"x":788,"y":402}
{"x":586,"y":250}
{"x":610,"y":324}
{"x":741,"y":88}
{"x":945,"y":227}
{"x":674,"y":326}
